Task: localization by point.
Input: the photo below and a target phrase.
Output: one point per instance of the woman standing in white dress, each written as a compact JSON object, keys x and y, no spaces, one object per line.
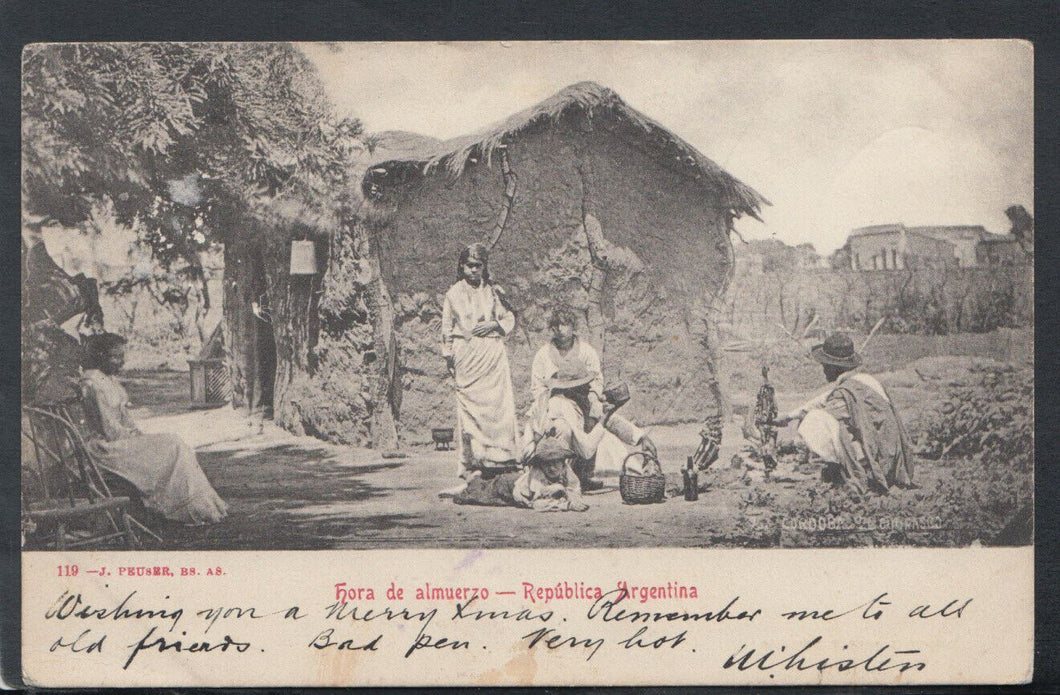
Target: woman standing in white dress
{"x":474,"y":324}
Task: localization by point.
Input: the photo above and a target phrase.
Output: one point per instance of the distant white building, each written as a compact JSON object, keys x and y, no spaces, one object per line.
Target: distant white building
{"x":894,"y":247}
{"x":772,"y":255}
{"x":1000,"y":249}
{"x":111,"y":254}
{"x":964,"y":237}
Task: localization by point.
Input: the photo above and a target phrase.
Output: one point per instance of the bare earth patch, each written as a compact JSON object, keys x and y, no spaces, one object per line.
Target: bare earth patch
{"x":290,"y":492}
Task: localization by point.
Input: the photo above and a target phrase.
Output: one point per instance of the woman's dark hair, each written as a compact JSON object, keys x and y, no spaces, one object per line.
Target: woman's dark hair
{"x":562,"y":315}
{"x":479,"y":251}
{"x":97,"y":348}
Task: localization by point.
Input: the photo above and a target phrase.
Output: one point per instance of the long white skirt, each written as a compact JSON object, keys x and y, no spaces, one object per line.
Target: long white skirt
{"x":485,"y":400}
{"x":167,"y":472}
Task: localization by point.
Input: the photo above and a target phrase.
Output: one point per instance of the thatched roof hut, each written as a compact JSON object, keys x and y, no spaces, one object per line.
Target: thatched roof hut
{"x":585,"y":100}
{"x":585,"y":202}
{"x":581,"y":124}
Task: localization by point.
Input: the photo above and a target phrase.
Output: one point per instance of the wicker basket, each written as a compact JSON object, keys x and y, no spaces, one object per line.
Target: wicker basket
{"x":642,"y":489}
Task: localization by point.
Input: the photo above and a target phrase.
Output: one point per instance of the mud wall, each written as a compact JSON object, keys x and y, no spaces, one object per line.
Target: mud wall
{"x":666,"y":254}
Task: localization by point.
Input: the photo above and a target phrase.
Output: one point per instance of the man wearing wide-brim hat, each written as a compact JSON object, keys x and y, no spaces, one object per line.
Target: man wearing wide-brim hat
{"x":852,"y":425}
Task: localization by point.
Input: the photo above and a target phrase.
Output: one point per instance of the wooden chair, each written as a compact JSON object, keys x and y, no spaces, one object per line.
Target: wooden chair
{"x":63,"y":489}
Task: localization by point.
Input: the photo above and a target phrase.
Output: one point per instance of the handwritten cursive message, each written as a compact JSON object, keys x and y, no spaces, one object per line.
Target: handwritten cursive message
{"x":502,"y":617}
{"x":410,"y":621}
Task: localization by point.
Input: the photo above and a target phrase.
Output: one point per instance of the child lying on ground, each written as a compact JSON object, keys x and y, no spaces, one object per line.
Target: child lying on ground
{"x":546,"y":484}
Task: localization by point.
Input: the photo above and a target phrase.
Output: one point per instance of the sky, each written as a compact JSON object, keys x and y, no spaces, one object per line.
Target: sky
{"x":836,"y":134}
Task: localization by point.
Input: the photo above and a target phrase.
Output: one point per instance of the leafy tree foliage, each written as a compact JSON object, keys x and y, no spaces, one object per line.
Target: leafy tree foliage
{"x":181,"y":139}
{"x":1022,"y":226}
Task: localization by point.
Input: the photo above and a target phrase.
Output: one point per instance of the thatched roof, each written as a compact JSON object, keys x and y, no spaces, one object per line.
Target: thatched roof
{"x":595,"y":102}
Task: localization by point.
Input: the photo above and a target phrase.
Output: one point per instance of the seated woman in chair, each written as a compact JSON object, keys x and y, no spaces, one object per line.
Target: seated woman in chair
{"x":161,"y":466}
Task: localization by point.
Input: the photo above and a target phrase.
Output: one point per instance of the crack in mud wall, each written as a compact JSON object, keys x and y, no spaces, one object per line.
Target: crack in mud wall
{"x":511,"y":183}
{"x":636,"y":247}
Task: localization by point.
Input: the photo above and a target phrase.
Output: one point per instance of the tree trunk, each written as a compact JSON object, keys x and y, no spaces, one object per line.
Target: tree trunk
{"x":714,"y":383}
{"x":712,"y":338}
{"x":596,"y":243}
{"x":234,"y":306}
{"x":384,"y":377}
{"x":243,"y":283}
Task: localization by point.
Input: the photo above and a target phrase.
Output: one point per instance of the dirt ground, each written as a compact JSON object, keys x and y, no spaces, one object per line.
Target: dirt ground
{"x":288,"y":492}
